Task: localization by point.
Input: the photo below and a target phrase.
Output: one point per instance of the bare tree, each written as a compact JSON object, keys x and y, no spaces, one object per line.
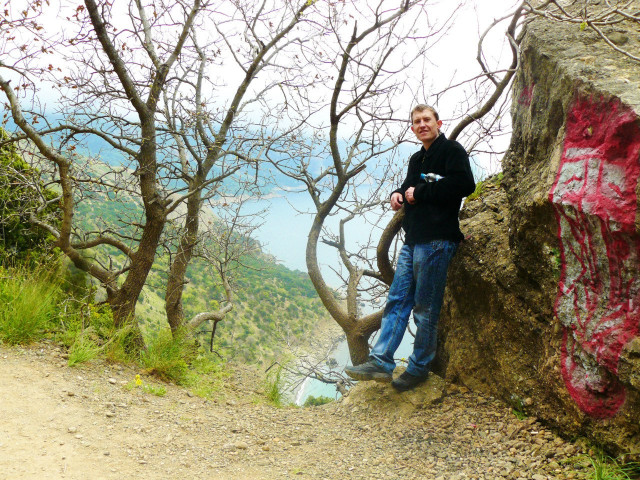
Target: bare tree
{"x":363,"y":130}
{"x":361,"y":81}
{"x":155,"y":84}
{"x":110,"y":70}
{"x":252,"y":38}
{"x":226,"y":244}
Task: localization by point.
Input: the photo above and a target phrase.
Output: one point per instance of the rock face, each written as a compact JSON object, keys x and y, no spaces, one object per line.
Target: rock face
{"x":543,"y":302}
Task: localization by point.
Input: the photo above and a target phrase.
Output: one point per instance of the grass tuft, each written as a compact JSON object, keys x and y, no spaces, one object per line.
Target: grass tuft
{"x":117,"y":349}
{"x":207,"y":375}
{"x":166,"y":356}
{"x":481,"y":185}
{"x":608,"y":468}
{"x":84,"y":349}
{"x":157,"y":390}
{"x":27,"y":304}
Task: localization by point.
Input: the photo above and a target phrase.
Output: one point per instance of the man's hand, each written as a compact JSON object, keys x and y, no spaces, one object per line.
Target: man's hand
{"x":409,"y":195}
{"x":396,"y":201}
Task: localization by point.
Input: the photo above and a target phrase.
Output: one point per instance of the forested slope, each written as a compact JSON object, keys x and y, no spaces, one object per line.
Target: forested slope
{"x":275,"y":308}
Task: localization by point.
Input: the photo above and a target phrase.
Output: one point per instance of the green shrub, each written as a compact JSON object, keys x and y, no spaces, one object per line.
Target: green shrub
{"x":84,"y":349}
{"x":274,"y":386}
{"x":76,"y":316}
{"x":117,"y":350}
{"x":86,"y":326}
{"x":27,"y":304}
{"x":20,"y":241}
{"x":166,"y":356}
{"x":206,"y":375}
{"x":312,"y":401}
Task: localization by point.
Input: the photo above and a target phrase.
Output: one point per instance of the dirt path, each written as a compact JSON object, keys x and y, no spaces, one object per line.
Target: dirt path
{"x":83,"y":423}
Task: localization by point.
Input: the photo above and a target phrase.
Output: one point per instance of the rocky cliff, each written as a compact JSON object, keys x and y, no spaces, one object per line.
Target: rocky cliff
{"x":543,"y":302}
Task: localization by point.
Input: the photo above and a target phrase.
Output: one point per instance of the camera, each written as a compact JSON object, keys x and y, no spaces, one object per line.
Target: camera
{"x":431,"y":177}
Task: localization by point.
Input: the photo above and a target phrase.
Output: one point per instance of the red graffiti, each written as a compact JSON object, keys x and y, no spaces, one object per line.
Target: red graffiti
{"x":598,"y":299}
{"x":526,"y":96}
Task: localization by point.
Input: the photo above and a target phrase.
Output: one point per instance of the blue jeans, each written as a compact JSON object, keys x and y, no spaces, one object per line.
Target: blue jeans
{"x":418,"y":285}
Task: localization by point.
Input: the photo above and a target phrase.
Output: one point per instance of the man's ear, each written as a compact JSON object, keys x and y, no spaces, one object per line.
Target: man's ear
{"x":439,"y":122}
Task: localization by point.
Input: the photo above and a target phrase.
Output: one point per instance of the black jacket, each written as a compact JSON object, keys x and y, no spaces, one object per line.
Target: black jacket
{"x":434,"y":216}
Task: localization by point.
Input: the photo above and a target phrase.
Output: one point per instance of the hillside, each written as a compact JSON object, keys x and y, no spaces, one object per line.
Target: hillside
{"x":275,"y":309}
{"x":275,"y":306}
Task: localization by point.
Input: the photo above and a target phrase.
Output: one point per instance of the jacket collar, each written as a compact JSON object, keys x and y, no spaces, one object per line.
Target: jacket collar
{"x":434,"y":146}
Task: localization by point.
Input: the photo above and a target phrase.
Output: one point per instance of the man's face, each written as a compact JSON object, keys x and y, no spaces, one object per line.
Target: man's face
{"x":425,"y":126}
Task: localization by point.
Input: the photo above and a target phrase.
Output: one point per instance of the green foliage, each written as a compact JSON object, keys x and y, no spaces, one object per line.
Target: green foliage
{"x":608,"y":468}
{"x":88,"y":330}
{"x":35,"y":303}
{"x":19,"y":240}
{"x":518,"y":406}
{"x":84,"y":349}
{"x":481,"y":186}
{"x":27,"y":304}
{"x":312,"y":401}
{"x":117,"y":350}
{"x":519,"y":414}
{"x":207,"y":374}
{"x":274,"y":386}
{"x":180,"y":361}
{"x":138,"y":383}
{"x":272,"y":306}
{"x":157,"y":390}
{"x":166,"y":356}
{"x":477,"y":192}
{"x":111,"y":343}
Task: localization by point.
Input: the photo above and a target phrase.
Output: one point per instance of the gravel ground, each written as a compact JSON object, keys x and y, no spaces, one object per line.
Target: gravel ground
{"x":80,"y":423}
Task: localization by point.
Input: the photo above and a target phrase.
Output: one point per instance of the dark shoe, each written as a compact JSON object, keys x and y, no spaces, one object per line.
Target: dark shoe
{"x":406,"y":381}
{"x":368,"y":371}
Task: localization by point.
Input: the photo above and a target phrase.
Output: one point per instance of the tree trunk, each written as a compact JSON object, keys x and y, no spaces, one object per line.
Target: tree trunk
{"x":213,"y":334}
{"x":313,"y":268}
{"x":123,"y":301}
{"x":176,"y":280}
{"x":358,"y":348}
{"x":382,"y":251}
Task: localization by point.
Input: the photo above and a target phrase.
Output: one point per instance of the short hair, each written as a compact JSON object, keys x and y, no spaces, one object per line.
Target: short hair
{"x":421,"y":107}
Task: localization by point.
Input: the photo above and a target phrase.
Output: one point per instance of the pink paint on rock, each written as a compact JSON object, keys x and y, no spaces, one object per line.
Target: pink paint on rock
{"x":526,"y":96}
{"x":595,"y":205}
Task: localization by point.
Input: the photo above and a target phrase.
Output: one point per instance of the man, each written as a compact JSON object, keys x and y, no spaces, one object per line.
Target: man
{"x":432,"y":235}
